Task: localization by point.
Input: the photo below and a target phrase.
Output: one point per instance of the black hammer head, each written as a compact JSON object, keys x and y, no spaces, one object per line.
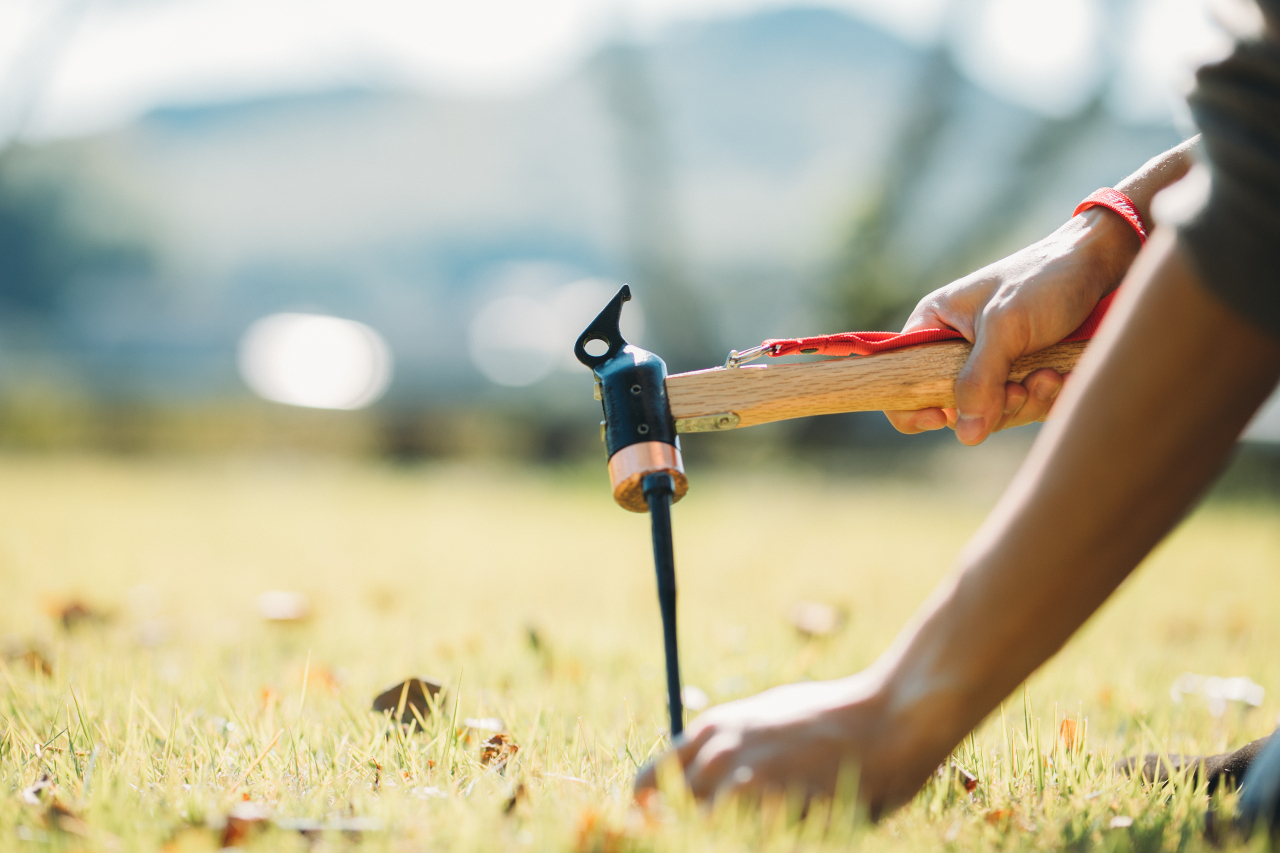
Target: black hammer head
{"x":639,"y":432}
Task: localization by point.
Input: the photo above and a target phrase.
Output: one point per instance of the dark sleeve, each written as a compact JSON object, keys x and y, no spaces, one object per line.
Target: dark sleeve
{"x":1234,"y":237}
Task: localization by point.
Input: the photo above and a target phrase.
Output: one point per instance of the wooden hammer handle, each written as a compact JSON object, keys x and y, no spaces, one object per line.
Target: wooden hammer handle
{"x":918,"y":377}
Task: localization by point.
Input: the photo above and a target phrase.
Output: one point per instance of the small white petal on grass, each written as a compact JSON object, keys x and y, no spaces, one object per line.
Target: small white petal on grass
{"x":813,"y":619}
{"x":484,"y":724}
{"x":429,"y":792}
{"x":695,"y":698}
{"x":283,"y":606}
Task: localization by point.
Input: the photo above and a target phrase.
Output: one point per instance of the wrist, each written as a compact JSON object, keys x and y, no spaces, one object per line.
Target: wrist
{"x":1108,"y":242}
{"x":923,"y":709}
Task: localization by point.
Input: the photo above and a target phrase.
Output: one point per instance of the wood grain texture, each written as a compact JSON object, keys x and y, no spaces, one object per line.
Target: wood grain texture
{"x":915,"y":378}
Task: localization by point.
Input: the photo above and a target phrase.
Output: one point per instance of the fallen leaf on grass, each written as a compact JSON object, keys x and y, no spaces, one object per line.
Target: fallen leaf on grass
{"x":32,"y":794}
{"x":329,"y":679}
{"x":497,"y":751}
{"x":999,"y":816}
{"x":959,"y":774}
{"x":246,"y":818}
{"x":186,"y":838}
{"x":416,"y":693}
{"x":594,"y":835}
{"x":62,"y":818}
{"x":1067,"y":732}
{"x":813,"y":620}
{"x":514,"y":799}
{"x":32,"y":658}
{"x":73,"y":613}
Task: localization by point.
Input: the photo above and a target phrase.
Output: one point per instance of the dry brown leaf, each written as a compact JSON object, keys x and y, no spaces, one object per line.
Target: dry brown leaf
{"x":62,"y":818}
{"x":814,"y":620}
{"x":594,"y":835}
{"x":999,"y":816}
{"x":327,"y":678}
{"x":417,"y":693}
{"x":32,"y":793}
{"x":514,"y":800}
{"x":497,"y":751}
{"x":959,"y":774}
{"x":186,"y":838}
{"x":245,"y":818}
{"x":31,"y":657}
{"x":74,"y":613}
{"x":1067,"y":732}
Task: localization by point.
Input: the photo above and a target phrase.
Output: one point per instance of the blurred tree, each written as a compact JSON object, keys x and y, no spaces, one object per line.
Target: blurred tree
{"x":45,"y":262}
{"x":877,"y":288}
{"x":870,"y":282}
{"x":678,"y":326}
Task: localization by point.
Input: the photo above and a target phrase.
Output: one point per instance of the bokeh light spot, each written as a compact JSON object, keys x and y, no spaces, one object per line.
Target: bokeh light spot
{"x":315,"y":361}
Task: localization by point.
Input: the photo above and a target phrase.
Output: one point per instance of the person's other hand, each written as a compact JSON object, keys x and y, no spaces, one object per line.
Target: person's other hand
{"x":1016,"y":306}
{"x":798,"y":738}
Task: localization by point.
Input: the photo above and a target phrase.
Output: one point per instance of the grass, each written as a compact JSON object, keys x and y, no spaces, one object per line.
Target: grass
{"x":181,"y":702}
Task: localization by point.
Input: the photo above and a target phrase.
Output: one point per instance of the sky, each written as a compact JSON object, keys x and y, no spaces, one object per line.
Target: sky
{"x":71,"y":67}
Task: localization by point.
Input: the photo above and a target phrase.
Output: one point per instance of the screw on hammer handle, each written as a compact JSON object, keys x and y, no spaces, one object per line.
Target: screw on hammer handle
{"x":920,"y":377}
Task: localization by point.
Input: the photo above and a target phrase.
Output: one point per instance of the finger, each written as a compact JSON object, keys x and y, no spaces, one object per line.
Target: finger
{"x":1015,"y":397}
{"x":709,"y":771}
{"x":980,"y":389}
{"x":1042,"y":387}
{"x":920,"y":420}
{"x":742,"y":783}
{"x":647,"y":778}
{"x":688,"y":744}
{"x":686,"y":748}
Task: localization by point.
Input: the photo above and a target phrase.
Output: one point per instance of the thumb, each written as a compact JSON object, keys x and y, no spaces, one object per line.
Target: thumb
{"x":980,"y":387}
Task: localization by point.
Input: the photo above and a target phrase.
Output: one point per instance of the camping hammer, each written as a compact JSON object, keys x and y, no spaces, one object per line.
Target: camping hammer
{"x":645,"y":410}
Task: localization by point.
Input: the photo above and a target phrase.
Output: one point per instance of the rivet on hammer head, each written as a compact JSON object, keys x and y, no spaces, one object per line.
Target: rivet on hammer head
{"x":643,"y":429}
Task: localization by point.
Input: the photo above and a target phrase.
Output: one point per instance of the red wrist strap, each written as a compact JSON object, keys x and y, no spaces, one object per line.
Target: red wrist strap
{"x":1120,"y":203}
{"x":870,"y":343}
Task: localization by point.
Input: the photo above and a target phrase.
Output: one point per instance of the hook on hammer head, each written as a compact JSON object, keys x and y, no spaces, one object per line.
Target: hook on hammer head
{"x":639,"y":431}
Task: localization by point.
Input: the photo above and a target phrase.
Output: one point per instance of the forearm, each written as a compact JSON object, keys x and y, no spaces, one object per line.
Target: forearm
{"x":1157,"y":173}
{"x":1157,"y":403}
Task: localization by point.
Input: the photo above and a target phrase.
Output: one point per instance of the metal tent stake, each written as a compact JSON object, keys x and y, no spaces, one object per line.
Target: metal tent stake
{"x":645,"y":469}
{"x":658,"y":490}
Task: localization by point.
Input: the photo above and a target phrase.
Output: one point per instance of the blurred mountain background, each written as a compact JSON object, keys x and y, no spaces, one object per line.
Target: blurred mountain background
{"x":772,"y":172}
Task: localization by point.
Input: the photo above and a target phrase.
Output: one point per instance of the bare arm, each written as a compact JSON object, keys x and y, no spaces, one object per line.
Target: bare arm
{"x":1029,"y":300}
{"x":1160,"y":399}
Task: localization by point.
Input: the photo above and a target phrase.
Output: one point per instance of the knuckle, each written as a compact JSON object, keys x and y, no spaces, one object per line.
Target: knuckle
{"x":970,"y":385}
